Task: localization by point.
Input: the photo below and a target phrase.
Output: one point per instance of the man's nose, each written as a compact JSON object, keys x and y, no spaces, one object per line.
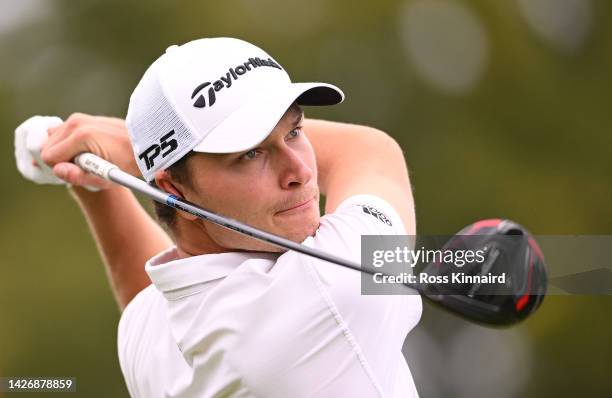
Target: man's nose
{"x":295,"y":171}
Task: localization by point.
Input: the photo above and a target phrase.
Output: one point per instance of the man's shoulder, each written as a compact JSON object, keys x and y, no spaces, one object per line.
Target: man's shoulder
{"x":139,"y":309}
{"x":144,"y":297}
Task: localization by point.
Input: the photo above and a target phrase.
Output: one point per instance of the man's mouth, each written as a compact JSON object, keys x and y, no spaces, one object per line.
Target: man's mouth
{"x":297,"y":207}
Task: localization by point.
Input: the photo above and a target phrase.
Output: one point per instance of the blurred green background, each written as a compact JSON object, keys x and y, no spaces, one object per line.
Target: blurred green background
{"x":502,"y":108}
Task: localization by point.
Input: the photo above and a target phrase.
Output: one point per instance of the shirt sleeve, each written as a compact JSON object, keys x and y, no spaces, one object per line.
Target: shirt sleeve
{"x":369,"y":214}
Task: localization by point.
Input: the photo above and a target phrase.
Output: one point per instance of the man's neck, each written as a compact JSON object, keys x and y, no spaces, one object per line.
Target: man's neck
{"x":192,"y":239}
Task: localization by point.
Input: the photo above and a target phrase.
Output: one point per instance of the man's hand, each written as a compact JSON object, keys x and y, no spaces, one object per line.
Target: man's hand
{"x":106,"y":137}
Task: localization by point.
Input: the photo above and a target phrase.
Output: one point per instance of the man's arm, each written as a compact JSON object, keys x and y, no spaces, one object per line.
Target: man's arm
{"x":355,"y":159}
{"x":126,"y":236}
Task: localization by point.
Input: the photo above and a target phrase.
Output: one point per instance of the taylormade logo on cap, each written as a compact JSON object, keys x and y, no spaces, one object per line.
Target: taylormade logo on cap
{"x":226,"y":81}
{"x":217,"y":95}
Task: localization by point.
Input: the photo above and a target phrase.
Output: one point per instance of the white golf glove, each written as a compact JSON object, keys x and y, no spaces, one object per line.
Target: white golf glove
{"x":29,"y":139}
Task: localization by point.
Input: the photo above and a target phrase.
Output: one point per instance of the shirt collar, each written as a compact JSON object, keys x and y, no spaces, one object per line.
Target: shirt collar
{"x":168,"y":272}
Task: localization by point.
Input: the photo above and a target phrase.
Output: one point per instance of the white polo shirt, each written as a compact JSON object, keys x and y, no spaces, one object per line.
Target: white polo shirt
{"x":250,"y":324}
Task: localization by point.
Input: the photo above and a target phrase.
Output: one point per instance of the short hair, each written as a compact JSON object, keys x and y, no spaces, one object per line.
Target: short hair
{"x":180,"y":173}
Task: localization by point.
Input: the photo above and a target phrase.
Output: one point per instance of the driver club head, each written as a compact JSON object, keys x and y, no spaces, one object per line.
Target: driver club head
{"x":509,"y":249}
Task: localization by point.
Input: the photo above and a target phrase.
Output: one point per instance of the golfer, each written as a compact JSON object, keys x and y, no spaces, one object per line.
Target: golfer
{"x":218,"y":122}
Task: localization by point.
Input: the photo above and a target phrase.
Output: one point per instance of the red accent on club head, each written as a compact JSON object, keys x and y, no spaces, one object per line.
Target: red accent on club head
{"x":492,"y":222}
{"x":524,"y":299}
{"x":522,"y":302}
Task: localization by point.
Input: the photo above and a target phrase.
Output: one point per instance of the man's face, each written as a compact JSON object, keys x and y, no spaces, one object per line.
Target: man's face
{"x":272,"y":187}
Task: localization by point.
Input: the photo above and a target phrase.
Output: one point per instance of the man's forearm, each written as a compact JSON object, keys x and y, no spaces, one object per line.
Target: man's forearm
{"x":354,"y":159}
{"x":126,"y":237}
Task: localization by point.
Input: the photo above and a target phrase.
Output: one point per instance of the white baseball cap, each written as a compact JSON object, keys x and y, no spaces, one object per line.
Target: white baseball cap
{"x":214,"y":95}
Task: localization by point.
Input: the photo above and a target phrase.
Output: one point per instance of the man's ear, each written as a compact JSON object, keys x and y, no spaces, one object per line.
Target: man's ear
{"x":165,"y":182}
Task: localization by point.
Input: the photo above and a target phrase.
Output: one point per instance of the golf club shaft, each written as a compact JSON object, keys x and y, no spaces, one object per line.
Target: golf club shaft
{"x":97,"y":166}
{"x":104,"y":169}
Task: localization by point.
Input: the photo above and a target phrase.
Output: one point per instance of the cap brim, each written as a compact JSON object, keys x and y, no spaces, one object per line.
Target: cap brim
{"x":251,"y":124}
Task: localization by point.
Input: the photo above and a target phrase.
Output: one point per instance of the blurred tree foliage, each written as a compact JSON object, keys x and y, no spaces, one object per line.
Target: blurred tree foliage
{"x":530,"y":141}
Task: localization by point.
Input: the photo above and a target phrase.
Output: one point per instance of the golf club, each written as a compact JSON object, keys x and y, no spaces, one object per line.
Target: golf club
{"x":524,"y":263}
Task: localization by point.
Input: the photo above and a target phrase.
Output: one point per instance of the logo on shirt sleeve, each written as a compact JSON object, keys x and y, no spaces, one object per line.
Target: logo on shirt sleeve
{"x":379,"y":215}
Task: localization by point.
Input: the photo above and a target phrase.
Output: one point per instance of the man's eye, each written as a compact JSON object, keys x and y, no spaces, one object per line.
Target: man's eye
{"x":295,"y":132}
{"x":252,"y":154}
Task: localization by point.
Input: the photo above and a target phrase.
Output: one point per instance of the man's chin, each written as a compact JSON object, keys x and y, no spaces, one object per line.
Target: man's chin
{"x":299,"y":237}
{"x":242,"y":243}
{"x":294,"y":236}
